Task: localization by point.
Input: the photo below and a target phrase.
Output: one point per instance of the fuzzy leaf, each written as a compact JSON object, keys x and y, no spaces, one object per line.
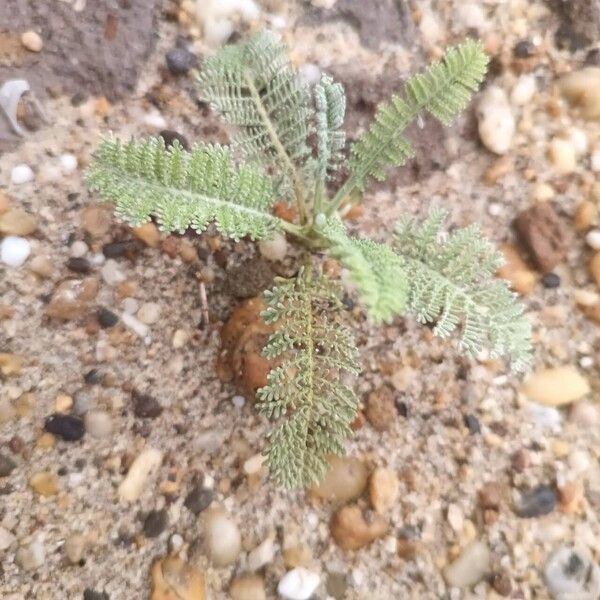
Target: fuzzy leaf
{"x":452,"y":282}
{"x":313,"y":409}
{"x":183,"y":189}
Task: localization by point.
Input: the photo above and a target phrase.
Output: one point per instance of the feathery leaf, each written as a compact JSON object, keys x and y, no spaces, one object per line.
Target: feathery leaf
{"x":183,"y":189}
{"x":452,"y":283}
{"x":444,"y":90}
{"x":313,"y":408}
{"x":376,"y":271}
{"x":255,"y":88}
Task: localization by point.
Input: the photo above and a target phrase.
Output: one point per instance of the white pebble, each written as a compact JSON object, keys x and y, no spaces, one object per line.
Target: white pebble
{"x":261,"y":555}
{"x":130,"y":305}
{"x":143,"y":468}
{"x":79,"y":249}
{"x":149,"y":313}
{"x":470,"y":567}
{"x":238,"y":401}
{"x":21,"y":174}
{"x":31,"y":556}
{"x":309,"y":74}
{"x":547,"y":417}
{"x":578,"y":138}
{"x":217,"y":31}
{"x":98,"y":423}
{"x":223,"y":538}
{"x":136,"y":326}
{"x":495,"y":209}
{"x":68,"y":163}
{"x":298,"y":584}
{"x":592,"y":239}
{"x":471,"y":15}
{"x":523,"y":90}
{"x":562,"y":155}
{"x":572,"y":574}
{"x":14,"y":251}
{"x":274,"y":249}
{"x":430,"y":28}
{"x":111,"y":272}
{"x":579,"y":461}
{"x":595,"y":161}
{"x":155,"y":120}
{"x":254,"y":464}
{"x":495,"y":120}
{"x":6,"y":539}
{"x":586,"y":362}
{"x":180,"y":338}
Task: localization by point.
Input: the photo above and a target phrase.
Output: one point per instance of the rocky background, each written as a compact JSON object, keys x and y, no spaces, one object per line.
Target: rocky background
{"x":130,"y":469}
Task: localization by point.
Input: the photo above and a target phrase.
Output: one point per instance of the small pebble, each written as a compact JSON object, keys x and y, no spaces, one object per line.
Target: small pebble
{"x":31,"y":556}
{"x":147,"y":233}
{"x":89,"y":594}
{"x":146,"y":407}
{"x":42,"y":266}
{"x":75,"y":546}
{"x":582,"y":89}
{"x":298,"y":584}
{"x":44,"y":483}
{"x":198,"y":499}
{"x":556,"y":386}
{"x":496,"y":120}
{"x":572,"y":574}
{"x":562,"y":155}
{"x":16,"y":221}
{"x":79,"y":265}
{"x":6,"y":539}
{"x":32,"y":41}
{"x":111,"y":272}
{"x":592,"y":239}
{"x":585,"y":414}
{"x":96,"y":220}
{"x":143,"y":468}
{"x":154,"y":120}
{"x":352,"y":528}
{"x":223,"y":538}
{"x":470,"y":567}
{"x":68,"y":163}
{"x":180,"y":60}
{"x":7,"y":465}
{"x":149,"y":313}
{"x":536,"y":502}
{"x":274,"y":249}
{"x":170,"y":137}
{"x":472,"y":424}
{"x":14,"y":251}
{"x":173,"y":579}
{"x":262,"y":555}
{"x":384,"y":489}
{"x":524,"y":90}
{"x":68,"y":427}
{"x":551,"y":281}
{"x":78,"y":249}
{"x":21,"y":174}
{"x":136,"y":326}
{"x":155,"y":523}
{"x":248,"y":587}
{"x":106,"y":318}
{"x":117,"y":249}
{"x":345,"y":480}
{"x":524,"y":49}
{"x":98,"y":423}
{"x":238,"y":401}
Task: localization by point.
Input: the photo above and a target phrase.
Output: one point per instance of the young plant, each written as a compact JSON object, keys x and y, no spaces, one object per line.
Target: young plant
{"x":289,"y":141}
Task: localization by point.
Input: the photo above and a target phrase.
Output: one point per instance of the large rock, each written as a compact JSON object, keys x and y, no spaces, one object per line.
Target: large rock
{"x":99,"y":50}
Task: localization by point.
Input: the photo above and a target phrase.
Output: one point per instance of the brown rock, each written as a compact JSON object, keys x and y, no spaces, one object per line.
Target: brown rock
{"x":10,"y":364}
{"x":173,"y":579}
{"x":351,"y":529}
{"x":381,"y":409}
{"x":345,"y":480}
{"x":570,"y":496}
{"x":490,"y":496}
{"x":585,"y":215}
{"x":72,"y":298}
{"x":148,"y":233}
{"x":16,"y":221}
{"x":498,"y":169}
{"x":96,"y":220}
{"x":243,"y":338}
{"x":594,"y":268}
{"x":384,"y":488}
{"x":248,"y":587}
{"x":44,"y":483}
{"x":544,"y":234}
{"x":515,"y":270}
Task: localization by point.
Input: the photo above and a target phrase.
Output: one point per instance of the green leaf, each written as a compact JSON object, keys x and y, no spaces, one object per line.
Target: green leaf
{"x":255,"y":88}
{"x":443,"y":90}
{"x":183,"y":189}
{"x":312,"y":408}
{"x":376,"y":271}
{"x":452,"y":282}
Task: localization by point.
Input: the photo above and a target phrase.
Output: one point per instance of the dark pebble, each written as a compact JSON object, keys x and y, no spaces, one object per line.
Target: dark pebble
{"x":524,"y":49}
{"x":78,"y":264}
{"x":7,"y":464}
{"x":92,"y":377}
{"x":472,"y":423}
{"x":551,"y":281}
{"x":592,"y":58}
{"x":145,"y":406}
{"x":402,"y":408}
{"x":67,"y":427}
{"x":117,"y":249}
{"x":336,"y":585}
{"x":78,"y":99}
{"x":180,"y":60}
{"x":170,"y":137}
{"x":536,"y":502}
{"x":198,"y":499}
{"x":106,"y":318}
{"x":93,"y":595}
{"x":155,"y":523}
{"x":16,"y":444}
{"x":501,"y":583}
{"x":568,"y":38}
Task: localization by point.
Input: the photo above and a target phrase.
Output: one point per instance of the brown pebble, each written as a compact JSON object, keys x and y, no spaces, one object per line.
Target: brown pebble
{"x":544,"y":234}
{"x":381,"y":409}
{"x":594,"y":268}
{"x":96,"y":220}
{"x":383,"y":489}
{"x":516,"y":271}
{"x":570,"y":496}
{"x":148,"y":233}
{"x":10,"y":364}
{"x":585,"y":215}
{"x":521,"y":460}
{"x":32,"y":41}
{"x":491,"y":495}
{"x":407,"y":549}
{"x":351,"y":529}
{"x":44,"y":483}
{"x":498,"y":169}
{"x":501,"y":583}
